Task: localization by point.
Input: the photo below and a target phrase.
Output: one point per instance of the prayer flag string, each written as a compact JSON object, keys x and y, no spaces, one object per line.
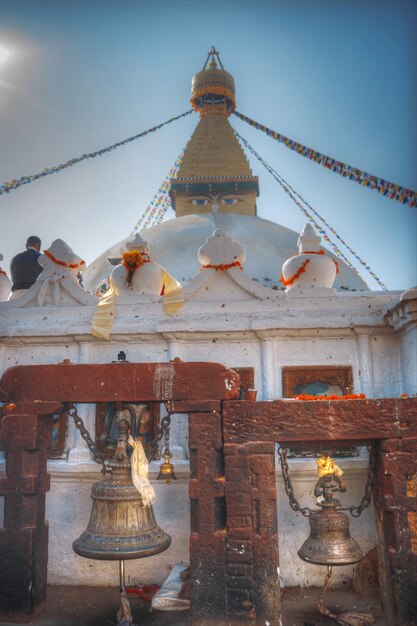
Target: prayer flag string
{"x":160,"y":203}
{"x":302,"y":204}
{"x":390,"y":190}
{"x":24,"y":180}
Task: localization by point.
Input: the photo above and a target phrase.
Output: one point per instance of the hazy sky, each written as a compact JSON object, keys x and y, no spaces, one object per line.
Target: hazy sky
{"x":339,"y":77}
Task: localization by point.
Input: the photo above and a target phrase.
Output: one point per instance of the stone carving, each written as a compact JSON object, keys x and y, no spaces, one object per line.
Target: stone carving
{"x":136,"y":279}
{"x":219,"y":251}
{"x":58,"y":284}
{"x":404,"y":314}
{"x":5,"y":284}
{"x":148,"y":279}
{"x":221,"y":277}
{"x":310,"y":268}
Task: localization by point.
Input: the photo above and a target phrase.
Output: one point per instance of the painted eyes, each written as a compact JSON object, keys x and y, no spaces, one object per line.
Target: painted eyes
{"x":199,"y":201}
{"x":206,"y":201}
{"x":230,"y":201}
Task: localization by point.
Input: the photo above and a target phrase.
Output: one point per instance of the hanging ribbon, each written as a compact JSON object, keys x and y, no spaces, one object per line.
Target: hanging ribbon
{"x":160,"y":203}
{"x":390,"y":190}
{"x":24,"y":180}
{"x":301,"y":203}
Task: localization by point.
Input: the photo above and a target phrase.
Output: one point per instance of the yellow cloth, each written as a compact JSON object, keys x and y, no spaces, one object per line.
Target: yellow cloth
{"x":326,"y":465}
{"x":104,"y":315}
{"x":173,"y":298}
{"x":140,"y":467}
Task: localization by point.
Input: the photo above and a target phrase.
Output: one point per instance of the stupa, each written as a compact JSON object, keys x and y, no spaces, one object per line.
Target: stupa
{"x":215,"y":188}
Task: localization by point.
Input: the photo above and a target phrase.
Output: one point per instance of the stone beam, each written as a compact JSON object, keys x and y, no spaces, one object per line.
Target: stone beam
{"x":288,"y":421}
{"x":123,"y":381}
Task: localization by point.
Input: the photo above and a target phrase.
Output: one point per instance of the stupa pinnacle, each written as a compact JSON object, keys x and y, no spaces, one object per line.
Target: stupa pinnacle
{"x":215,"y":173}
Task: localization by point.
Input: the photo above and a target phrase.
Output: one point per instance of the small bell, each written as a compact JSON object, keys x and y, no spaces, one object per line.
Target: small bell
{"x":166,"y":470}
{"x":329,"y":542}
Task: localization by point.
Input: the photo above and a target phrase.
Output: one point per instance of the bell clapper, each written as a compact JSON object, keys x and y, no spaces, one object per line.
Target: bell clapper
{"x":349,"y":618}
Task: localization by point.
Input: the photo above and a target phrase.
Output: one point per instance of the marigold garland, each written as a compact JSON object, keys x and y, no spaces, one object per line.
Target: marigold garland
{"x":3,"y":272}
{"x":72,"y":266}
{"x":222,"y":267}
{"x":337,"y":265}
{"x":349,"y":396}
{"x":293,"y":278}
{"x":132,"y":261}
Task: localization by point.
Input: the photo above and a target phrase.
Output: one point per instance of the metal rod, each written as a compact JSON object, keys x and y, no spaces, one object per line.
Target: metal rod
{"x":122,"y":574}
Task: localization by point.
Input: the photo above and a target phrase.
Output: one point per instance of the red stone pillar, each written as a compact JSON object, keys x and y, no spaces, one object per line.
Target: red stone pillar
{"x":252,"y":535}
{"x":25,"y":437}
{"x":208,"y":520}
{"x":396,"y":520}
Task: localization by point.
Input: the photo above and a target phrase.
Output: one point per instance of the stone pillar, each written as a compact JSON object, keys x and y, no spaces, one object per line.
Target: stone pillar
{"x":268,"y":360}
{"x":363,"y":344}
{"x":252,"y":535}
{"x":79,"y":451}
{"x":396,"y":521}
{"x":25,"y":437}
{"x":208,"y":520}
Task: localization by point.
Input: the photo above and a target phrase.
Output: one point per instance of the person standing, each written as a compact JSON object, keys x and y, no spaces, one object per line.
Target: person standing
{"x":24,"y":267}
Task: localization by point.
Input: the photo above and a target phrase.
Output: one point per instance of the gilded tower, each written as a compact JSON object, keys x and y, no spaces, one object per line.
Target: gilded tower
{"x":215,"y":173}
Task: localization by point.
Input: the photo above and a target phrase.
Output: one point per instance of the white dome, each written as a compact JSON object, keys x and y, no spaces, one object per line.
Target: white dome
{"x":174,"y":245}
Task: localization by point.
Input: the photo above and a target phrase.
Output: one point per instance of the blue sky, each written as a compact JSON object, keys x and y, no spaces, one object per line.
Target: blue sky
{"x":339,"y":77}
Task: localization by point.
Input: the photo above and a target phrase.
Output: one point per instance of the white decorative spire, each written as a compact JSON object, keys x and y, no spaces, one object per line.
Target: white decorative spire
{"x":310,"y":268}
{"x":57,"y":284}
{"x":219,"y":249}
{"x":309,"y":240}
{"x":137,"y":243}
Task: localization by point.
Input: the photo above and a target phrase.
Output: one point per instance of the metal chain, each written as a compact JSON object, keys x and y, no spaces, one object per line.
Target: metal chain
{"x":289,"y":490}
{"x":163,"y":431}
{"x":79,"y":424}
{"x":355,"y":511}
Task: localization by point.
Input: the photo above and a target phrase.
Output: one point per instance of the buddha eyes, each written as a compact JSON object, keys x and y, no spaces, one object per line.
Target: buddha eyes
{"x":206,"y":201}
{"x":200,"y":201}
{"x":230,"y":201}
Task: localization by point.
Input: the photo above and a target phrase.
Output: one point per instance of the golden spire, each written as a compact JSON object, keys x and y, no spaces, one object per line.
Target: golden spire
{"x":213,"y":89}
{"x":214,"y":173}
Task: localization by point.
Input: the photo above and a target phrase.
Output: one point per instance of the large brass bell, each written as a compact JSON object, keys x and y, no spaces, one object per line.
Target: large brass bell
{"x":329,"y":542}
{"x":120,"y":526}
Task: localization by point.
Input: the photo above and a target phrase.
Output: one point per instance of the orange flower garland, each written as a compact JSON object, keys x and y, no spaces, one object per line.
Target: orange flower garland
{"x":132,"y":261}
{"x":3,"y":272}
{"x":349,"y":396}
{"x":297,"y":274}
{"x":337,"y":265}
{"x":222,"y":267}
{"x":72,"y":266}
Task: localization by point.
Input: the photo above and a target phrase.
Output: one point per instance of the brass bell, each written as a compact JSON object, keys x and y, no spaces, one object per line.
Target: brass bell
{"x":166,"y":469}
{"x":329,"y":542}
{"x":120,"y":526}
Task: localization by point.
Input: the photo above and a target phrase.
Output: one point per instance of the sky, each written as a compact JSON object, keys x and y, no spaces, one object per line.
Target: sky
{"x":339,"y":77}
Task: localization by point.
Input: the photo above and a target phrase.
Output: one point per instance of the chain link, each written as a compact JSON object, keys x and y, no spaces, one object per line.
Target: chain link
{"x":163,"y":431}
{"x":79,"y":424}
{"x":355,"y":511}
{"x":289,"y":490}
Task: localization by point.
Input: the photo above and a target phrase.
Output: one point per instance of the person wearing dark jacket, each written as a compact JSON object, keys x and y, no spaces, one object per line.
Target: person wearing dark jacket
{"x":24,"y":267}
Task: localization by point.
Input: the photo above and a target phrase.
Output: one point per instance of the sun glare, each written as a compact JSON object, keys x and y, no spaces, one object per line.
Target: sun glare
{"x":4,"y":54}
